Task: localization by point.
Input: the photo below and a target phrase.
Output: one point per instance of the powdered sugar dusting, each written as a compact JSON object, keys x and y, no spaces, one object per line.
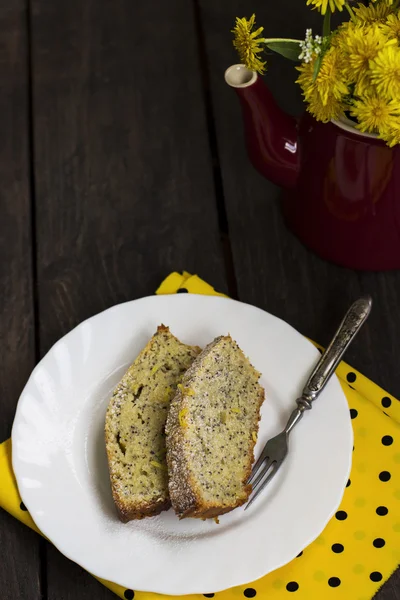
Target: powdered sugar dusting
{"x":209,"y":459}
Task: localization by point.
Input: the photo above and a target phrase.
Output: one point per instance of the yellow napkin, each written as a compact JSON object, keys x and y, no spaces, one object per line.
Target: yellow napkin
{"x":359,"y":548}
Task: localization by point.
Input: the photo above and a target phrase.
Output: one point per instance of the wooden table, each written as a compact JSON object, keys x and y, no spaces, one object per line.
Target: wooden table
{"x":122,"y":159}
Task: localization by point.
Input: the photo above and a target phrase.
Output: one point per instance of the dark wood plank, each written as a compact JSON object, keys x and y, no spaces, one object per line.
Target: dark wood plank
{"x":124,"y":182}
{"x":273,"y":270}
{"x":19,"y":573}
{"x":124,"y":187}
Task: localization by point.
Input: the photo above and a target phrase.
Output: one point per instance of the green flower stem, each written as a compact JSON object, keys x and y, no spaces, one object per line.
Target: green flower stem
{"x":350,"y":11}
{"x":326,"y":32}
{"x":269,"y":40}
{"x":326,"y":27}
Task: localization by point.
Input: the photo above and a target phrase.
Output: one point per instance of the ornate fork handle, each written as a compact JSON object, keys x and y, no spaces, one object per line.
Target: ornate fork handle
{"x":349,"y":327}
{"x":275,"y":450}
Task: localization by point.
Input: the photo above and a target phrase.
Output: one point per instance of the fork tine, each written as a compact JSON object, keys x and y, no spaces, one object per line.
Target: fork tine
{"x":262,"y":473}
{"x":257,"y":466}
{"x":259,"y":489}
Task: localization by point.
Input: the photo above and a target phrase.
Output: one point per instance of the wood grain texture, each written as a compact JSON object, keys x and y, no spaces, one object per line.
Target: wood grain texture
{"x":124,"y":184}
{"x":273,"y":270}
{"x":122,"y":164}
{"x":68,"y":581}
{"x":19,"y":572}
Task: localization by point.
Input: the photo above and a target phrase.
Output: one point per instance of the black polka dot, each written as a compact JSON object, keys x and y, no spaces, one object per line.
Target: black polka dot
{"x":250,"y":592}
{"x":337,"y":548}
{"x":384,"y":475}
{"x":386,"y":402}
{"x":375,"y":576}
{"x":299,"y":554}
{"x":353,"y":413}
{"x":209,"y":595}
{"x":129,"y":594}
{"x":292,"y":586}
{"x":334,"y":581}
{"x":382,"y":511}
{"x":351,"y":377}
{"x":341,"y":515}
{"x":182,"y":291}
{"x":22,"y":506}
{"x":348,"y":483}
{"x":379,"y":542}
{"x":387,"y":440}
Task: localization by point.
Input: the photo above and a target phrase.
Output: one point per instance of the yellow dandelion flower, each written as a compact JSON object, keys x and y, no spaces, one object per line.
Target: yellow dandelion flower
{"x":325,"y":96}
{"x":358,"y":47}
{"x":330,"y":81}
{"x":372,"y":13}
{"x":248,"y":44}
{"x":305,"y":79}
{"x":322,"y":5}
{"x":391,"y":27}
{"x":340,"y":34}
{"x":391,"y":133}
{"x":375,"y":114}
{"x":385,"y":72}
{"x":325,"y":113}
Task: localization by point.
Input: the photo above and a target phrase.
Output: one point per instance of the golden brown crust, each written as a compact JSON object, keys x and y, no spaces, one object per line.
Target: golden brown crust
{"x":128,"y":512}
{"x":151,"y":510}
{"x":124,"y":510}
{"x":185,"y":493}
{"x":127,"y":507}
{"x":182,"y":488}
{"x":202,"y":510}
{"x":162,"y":329}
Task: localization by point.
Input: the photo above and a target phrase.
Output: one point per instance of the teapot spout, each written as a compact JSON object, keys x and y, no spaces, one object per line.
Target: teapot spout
{"x":271,"y":134}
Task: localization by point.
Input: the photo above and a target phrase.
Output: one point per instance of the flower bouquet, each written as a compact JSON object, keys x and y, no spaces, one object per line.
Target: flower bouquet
{"x":353,"y":70}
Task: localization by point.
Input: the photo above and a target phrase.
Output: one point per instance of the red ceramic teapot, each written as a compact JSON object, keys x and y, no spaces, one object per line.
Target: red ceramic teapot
{"x":342,"y":187}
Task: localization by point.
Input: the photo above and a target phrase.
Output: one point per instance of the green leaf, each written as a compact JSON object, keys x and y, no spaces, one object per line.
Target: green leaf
{"x":326,"y":31}
{"x":288,"y":48}
{"x":326,"y":27}
{"x":317,"y":67}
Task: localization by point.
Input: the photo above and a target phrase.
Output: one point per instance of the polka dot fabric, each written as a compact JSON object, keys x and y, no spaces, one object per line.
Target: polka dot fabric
{"x":359,"y":548}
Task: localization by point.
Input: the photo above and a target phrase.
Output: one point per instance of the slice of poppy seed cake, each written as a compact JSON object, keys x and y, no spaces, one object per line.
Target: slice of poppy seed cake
{"x":211,"y":431}
{"x":135,"y":423}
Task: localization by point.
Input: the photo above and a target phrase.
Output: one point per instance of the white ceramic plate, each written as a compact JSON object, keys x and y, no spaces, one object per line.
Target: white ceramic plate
{"x":60,"y":462}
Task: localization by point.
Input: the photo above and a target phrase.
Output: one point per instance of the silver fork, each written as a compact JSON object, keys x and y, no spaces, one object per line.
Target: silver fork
{"x":275,"y":450}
